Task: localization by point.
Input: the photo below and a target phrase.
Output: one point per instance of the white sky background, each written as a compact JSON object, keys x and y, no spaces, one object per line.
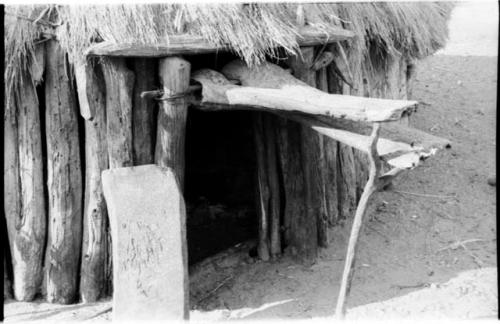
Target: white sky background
{"x":473,"y":29}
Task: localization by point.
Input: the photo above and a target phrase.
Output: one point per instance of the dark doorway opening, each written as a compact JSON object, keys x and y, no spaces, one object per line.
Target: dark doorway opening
{"x":219,"y":181}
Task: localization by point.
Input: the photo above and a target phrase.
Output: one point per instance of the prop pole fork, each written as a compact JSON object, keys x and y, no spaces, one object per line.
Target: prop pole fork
{"x":370,"y":187}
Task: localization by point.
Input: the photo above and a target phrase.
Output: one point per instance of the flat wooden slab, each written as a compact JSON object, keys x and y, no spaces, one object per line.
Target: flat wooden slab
{"x":191,"y":45}
{"x":147,"y":218}
{"x":273,"y":88}
{"x":315,"y":102}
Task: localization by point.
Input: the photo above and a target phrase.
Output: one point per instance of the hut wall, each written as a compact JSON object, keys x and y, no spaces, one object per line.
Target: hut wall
{"x":309,"y":204}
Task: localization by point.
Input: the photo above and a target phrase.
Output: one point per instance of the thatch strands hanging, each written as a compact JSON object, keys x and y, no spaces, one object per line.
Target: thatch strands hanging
{"x":252,"y":31}
{"x":21,"y":36}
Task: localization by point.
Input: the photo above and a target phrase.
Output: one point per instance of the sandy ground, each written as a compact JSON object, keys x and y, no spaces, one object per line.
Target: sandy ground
{"x":428,"y":249}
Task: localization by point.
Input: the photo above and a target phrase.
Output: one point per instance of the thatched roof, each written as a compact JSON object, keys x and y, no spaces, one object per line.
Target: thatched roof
{"x":252,"y":31}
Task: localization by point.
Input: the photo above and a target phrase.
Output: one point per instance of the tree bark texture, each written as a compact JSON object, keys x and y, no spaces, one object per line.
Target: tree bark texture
{"x":328,"y":160}
{"x":144,"y":111}
{"x":262,"y":192}
{"x":174,"y":73}
{"x":12,"y":186}
{"x":95,"y":224}
{"x":347,"y":184}
{"x":273,"y":181}
{"x":288,"y":157}
{"x":24,"y":191}
{"x":119,"y":88}
{"x":304,"y":231}
{"x":64,"y":180}
{"x":31,"y":236}
{"x":119,"y":82}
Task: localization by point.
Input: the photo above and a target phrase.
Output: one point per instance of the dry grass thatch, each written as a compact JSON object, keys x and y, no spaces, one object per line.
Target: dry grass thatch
{"x":252,"y":31}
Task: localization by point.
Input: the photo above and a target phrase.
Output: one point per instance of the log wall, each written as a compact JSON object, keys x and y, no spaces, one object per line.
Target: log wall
{"x":104,"y":118}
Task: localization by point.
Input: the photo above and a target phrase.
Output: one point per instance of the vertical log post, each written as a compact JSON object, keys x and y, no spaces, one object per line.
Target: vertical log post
{"x":64,"y":180}
{"x":92,"y":100}
{"x":328,"y":161}
{"x":262,"y":196}
{"x":119,"y":87}
{"x":288,"y":132}
{"x":346,"y":166}
{"x":12,"y":186}
{"x":30,"y":238}
{"x":144,"y":111}
{"x":273,"y":181}
{"x":119,"y":82}
{"x":174,"y":73}
{"x":347,"y":183}
{"x":7,"y":283}
{"x":23,"y":187}
{"x":304,"y":231}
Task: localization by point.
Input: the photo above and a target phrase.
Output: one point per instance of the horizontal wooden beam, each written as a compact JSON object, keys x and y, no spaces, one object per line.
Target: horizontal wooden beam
{"x":404,"y":148}
{"x":270,"y":86}
{"x":191,"y":45}
{"x":362,"y":142}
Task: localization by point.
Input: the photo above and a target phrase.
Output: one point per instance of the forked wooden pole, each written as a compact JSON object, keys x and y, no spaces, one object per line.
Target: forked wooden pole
{"x":370,"y":187}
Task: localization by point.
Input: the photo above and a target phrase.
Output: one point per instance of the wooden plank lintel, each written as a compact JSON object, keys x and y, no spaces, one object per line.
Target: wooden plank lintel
{"x":191,"y":45}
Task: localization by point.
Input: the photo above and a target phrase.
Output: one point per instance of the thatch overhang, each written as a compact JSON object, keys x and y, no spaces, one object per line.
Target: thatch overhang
{"x":252,"y":31}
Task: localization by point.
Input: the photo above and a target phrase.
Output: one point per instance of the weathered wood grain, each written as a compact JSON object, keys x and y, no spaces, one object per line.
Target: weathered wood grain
{"x":94,"y":244}
{"x":174,"y":73}
{"x":64,"y":180}
{"x":192,"y":45}
{"x":144,"y":111}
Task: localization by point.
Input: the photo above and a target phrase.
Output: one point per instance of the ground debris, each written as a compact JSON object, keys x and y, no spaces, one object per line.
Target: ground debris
{"x":459,"y":244}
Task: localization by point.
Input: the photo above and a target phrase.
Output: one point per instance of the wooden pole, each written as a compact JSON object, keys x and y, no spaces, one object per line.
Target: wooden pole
{"x":328,"y":161}
{"x":144,"y":111}
{"x":23,"y":189}
{"x":12,"y":186}
{"x":30,"y":238}
{"x":119,"y":88}
{"x":7,"y":283}
{"x":119,"y":82}
{"x":94,"y":248}
{"x":64,"y":180}
{"x":370,"y":188}
{"x":262,"y":188}
{"x":346,"y":165}
{"x":304,"y":236}
{"x":273,"y":181}
{"x":346,"y":181}
{"x":174,"y":73}
{"x":288,"y":133}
